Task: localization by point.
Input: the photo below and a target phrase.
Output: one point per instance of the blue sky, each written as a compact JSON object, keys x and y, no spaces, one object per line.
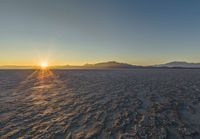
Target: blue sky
{"x":141,"y":32}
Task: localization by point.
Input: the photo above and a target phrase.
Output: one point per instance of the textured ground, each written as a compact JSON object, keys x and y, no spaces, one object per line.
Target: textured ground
{"x":157,"y":103}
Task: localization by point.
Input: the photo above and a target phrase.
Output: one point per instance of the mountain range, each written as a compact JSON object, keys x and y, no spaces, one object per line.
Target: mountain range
{"x":112,"y":65}
{"x":179,"y":64}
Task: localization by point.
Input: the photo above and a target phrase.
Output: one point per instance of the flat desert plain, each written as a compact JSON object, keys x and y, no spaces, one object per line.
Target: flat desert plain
{"x":100,"y":104}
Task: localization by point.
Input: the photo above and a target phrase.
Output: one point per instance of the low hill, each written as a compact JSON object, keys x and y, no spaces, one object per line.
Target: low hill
{"x":180,"y":64}
{"x":110,"y":64}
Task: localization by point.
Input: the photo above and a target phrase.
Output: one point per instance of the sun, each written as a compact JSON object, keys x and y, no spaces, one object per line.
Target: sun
{"x":44,"y":65}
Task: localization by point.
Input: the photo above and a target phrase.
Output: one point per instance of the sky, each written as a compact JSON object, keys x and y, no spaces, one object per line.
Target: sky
{"x":139,"y":32}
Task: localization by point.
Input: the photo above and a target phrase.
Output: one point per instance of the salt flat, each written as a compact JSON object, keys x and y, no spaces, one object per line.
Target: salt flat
{"x":142,"y":103}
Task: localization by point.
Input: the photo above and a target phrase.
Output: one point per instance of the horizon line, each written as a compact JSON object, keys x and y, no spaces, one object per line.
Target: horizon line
{"x":80,"y":65}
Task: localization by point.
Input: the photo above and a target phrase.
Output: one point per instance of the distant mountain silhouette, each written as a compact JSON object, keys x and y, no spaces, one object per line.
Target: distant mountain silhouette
{"x":112,"y":65}
{"x":180,"y":64}
{"x":102,"y":65}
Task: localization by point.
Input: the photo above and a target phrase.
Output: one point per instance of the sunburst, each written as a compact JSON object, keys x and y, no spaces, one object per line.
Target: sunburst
{"x":44,"y":65}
